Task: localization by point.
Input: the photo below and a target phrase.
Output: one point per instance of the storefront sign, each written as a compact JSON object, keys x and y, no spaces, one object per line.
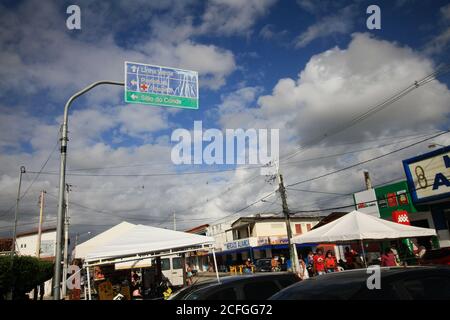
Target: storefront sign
{"x":401,"y":217}
{"x":366,"y":202}
{"x":243,"y":243}
{"x":278,"y":240}
{"x":263,"y":241}
{"x":428,"y":176}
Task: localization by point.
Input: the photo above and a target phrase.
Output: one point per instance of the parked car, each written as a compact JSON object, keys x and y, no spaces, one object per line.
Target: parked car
{"x":437,"y":257}
{"x":397,"y":283}
{"x":244,"y":287}
{"x":265,"y":265}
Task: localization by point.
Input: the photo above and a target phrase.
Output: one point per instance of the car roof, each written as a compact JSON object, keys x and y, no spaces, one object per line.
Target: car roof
{"x":230,"y":279}
{"x":350,"y":280}
{"x":385,"y":271}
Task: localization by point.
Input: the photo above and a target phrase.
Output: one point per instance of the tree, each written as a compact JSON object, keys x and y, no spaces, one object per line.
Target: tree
{"x":27,"y":273}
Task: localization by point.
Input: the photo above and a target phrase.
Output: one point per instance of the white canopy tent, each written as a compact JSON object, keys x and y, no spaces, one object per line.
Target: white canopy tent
{"x":358,"y":226}
{"x":361,"y":226}
{"x":145,"y":242}
{"x":83,"y":249}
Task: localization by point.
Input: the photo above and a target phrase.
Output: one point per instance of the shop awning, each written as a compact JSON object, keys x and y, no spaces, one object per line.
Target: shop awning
{"x":360,"y":226}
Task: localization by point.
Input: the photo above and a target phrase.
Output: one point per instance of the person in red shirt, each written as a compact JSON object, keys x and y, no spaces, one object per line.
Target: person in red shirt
{"x":388,"y":258}
{"x":330,"y":262}
{"x":319,"y":262}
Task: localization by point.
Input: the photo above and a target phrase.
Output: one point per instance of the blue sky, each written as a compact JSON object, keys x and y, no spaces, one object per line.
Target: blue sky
{"x":299,"y":66}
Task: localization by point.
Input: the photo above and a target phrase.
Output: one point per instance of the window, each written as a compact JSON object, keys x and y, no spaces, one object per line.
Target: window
{"x":165,"y":264}
{"x":176,"y":263}
{"x":308,"y":226}
{"x":432,"y":288}
{"x":224,"y":294}
{"x":298,"y":228}
{"x":260,"y":290}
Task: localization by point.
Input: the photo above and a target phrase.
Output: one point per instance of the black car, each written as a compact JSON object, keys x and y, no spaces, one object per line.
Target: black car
{"x":265,"y":265}
{"x":245,"y":287}
{"x":396,"y":283}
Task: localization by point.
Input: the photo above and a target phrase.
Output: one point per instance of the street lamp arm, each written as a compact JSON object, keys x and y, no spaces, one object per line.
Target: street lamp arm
{"x":62,"y":185}
{"x":86,"y":89}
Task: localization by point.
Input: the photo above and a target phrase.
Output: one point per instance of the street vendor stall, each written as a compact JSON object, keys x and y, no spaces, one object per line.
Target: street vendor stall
{"x":143,"y":243}
{"x":358,"y":226}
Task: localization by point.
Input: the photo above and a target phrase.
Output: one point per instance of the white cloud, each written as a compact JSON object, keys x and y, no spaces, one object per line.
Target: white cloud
{"x":335,"y":86}
{"x":229,"y":17}
{"x":339,"y":23}
{"x":441,"y":41}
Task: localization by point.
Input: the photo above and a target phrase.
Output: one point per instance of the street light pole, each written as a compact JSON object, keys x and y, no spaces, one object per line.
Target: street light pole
{"x":16,"y":213}
{"x":66,"y":242}
{"x":62,"y":185}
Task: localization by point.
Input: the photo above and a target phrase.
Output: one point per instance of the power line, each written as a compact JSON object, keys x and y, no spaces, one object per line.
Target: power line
{"x":366,"y":161}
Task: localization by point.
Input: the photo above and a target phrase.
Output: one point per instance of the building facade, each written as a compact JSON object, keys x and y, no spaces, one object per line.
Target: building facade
{"x":423,"y":197}
{"x":259,"y":237}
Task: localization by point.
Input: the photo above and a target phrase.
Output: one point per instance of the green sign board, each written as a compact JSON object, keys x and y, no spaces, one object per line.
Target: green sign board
{"x":161,"y":86}
{"x":394,"y":197}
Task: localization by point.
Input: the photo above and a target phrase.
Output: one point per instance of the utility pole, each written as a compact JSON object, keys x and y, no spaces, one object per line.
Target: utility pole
{"x":174,"y":222}
{"x":367,"y":180}
{"x":62,"y":183}
{"x":292,"y":248}
{"x":41,"y":213}
{"x":66,"y":241}
{"x":16,"y":214}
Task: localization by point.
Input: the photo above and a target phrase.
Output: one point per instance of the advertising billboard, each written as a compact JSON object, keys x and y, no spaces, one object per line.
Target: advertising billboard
{"x":428,"y":176}
{"x":366,"y":202}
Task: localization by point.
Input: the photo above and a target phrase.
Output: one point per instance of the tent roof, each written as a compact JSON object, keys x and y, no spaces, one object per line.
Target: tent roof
{"x":141,"y":240}
{"x":83,"y":249}
{"x":359,"y":226}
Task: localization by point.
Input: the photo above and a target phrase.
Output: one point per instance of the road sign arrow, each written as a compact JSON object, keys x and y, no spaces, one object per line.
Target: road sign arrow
{"x":133,"y":68}
{"x":133,"y":96}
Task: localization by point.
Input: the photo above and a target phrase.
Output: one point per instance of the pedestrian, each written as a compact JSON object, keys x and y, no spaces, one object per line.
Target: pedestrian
{"x":396,"y":255}
{"x":248,"y":266}
{"x":349,"y":257}
{"x":421,"y":252}
{"x":303,"y":271}
{"x":319,"y":263}
{"x":330,"y":262}
{"x":310,"y":263}
{"x":188,"y":274}
{"x":388,"y":258}
{"x":274,"y":264}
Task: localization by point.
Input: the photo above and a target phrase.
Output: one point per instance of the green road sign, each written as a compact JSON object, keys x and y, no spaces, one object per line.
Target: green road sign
{"x":161,"y":86}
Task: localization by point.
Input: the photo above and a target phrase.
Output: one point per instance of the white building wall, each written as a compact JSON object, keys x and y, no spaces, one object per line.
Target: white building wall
{"x":219,"y":233}
{"x":278,"y":228}
{"x":27,"y":245}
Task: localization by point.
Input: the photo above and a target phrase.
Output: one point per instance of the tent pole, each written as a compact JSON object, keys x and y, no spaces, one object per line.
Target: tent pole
{"x":215,"y":265}
{"x":363,"y":253}
{"x":89,"y":282}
